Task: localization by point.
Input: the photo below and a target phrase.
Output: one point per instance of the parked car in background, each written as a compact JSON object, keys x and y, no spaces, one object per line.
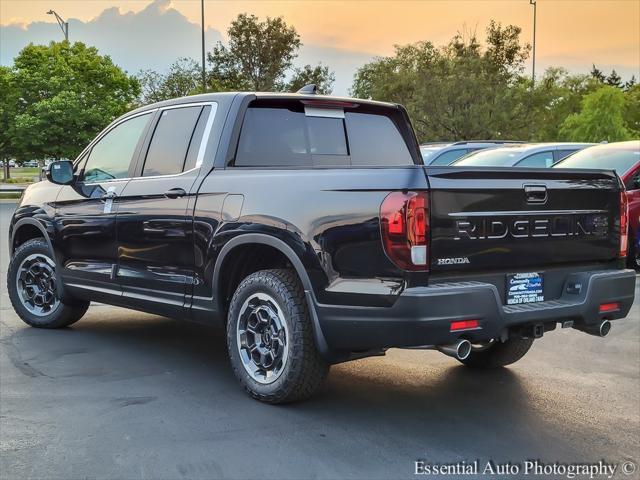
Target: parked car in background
{"x":446,"y":153}
{"x":531,"y":155}
{"x":624,"y":158}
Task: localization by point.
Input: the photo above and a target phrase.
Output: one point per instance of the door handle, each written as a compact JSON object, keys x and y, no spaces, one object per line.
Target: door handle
{"x":175,"y":193}
{"x":535,"y":193}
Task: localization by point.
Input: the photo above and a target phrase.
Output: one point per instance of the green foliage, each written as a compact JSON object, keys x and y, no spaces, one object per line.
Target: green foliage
{"x":183,"y":78}
{"x":601,"y":118}
{"x":459,"y":91}
{"x":465,"y":90}
{"x":558,"y":95}
{"x":259,"y":56}
{"x":67,"y":94}
{"x":632,"y":110}
{"x":8,"y":100}
{"x":320,"y":75}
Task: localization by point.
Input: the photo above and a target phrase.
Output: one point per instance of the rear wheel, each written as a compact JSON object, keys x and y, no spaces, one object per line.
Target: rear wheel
{"x":498,"y":354}
{"x":33,"y":290}
{"x":270,"y":338}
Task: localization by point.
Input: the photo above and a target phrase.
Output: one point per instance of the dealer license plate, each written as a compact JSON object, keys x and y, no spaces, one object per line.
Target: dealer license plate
{"x":524,"y":288}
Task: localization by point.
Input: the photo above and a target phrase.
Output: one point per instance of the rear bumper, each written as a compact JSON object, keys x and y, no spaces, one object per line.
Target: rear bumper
{"x":423,"y":315}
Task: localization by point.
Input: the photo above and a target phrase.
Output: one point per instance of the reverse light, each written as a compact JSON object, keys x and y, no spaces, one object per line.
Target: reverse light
{"x":404,"y":223}
{"x":624,"y":224}
{"x":609,"y":307}
{"x":464,"y":325}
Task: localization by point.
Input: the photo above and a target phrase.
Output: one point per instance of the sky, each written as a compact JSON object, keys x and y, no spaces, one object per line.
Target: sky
{"x":343,"y":34}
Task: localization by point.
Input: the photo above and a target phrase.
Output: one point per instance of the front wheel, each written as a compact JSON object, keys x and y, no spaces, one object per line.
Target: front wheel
{"x":32,"y":286}
{"x":498,"y":354}
{"x":270,"y":338}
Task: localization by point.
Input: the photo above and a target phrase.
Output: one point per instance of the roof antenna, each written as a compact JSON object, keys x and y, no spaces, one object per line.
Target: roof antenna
{"x":310,"y":89}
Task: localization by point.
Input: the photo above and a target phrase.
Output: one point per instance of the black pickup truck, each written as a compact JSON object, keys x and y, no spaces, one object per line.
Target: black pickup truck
{"x":310,"y":228}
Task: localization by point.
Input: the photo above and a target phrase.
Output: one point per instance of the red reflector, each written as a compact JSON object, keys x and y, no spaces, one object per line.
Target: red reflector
{"x":609,"y":307}
{"x":464,"y":325}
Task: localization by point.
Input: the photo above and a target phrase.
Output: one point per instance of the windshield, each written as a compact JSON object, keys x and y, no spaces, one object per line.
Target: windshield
{"x":620,"y":157}
{"x":499,"y":157}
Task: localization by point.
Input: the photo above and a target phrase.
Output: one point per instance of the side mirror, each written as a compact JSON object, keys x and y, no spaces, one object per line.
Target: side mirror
{"x":60,"y":173}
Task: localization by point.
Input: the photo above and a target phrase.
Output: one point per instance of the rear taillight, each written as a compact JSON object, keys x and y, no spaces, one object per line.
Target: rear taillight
{"x":404,"y":222}
{"x":624,"y":224}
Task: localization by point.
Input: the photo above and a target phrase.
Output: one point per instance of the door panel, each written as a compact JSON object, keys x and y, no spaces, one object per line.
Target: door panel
{"x":86,"y":211}
{"x":155,"y":241}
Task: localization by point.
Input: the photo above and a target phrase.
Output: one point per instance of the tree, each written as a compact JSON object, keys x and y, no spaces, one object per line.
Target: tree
{"x":597,"y":74}
{"x":558,"y":95}
{"x":458,"y":91}
{"x":614,"y":79}
{"x":318,"y":75}
{"x":630,"y":84}
{"x":67,"y":94}
{"x":183,"y":78}
{"x":259,"y":56}
{"x":8,"y":100}
{"x":632,"y":111}
{"x":601,"y":118}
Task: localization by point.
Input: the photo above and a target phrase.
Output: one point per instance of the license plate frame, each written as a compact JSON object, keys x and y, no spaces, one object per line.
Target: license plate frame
{"x":526,"y":287}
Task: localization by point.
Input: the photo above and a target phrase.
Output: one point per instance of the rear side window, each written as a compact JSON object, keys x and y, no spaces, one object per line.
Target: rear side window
{"x":289,"y":137}
{"x":171,"y":141}
{"x":560,"y":154}
{"x":447,"y":158}
{"x":537,"y":160}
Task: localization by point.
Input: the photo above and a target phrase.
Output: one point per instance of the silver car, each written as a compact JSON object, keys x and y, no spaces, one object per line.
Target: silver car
{"x":531,"y":155}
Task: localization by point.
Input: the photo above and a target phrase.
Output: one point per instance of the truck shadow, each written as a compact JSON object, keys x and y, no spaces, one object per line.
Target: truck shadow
{"x":451,"y":408}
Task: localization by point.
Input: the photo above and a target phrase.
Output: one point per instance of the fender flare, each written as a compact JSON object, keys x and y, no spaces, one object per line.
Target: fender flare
{"x":291,"y":255}
{"x":29,"y":221}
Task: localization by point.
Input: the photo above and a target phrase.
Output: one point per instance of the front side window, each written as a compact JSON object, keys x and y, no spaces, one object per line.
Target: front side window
{"x":287,"y":137}
{"x":172,"y":137}
{"x":537,"y":160}
{"x":111,"y":157}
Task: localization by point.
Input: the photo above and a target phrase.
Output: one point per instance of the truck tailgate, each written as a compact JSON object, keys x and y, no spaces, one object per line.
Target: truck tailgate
{"x":484,"y":219}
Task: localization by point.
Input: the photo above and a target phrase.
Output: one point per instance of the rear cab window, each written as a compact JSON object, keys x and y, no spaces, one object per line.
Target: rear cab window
{"x":294,"y":134}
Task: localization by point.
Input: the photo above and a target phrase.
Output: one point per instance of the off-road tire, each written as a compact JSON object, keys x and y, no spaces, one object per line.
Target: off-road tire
{"x":305,"y":369}
{"x":64,"y":315}
{"x":499,"y":354}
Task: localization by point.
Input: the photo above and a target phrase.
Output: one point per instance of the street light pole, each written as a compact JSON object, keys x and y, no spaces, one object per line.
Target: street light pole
{"x":204,"y":77}
{"x":533,"y":75}
{"x":63,"y":25}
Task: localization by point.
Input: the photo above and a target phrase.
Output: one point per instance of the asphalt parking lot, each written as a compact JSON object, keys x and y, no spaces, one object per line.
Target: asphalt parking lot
{"x":127,"y":395}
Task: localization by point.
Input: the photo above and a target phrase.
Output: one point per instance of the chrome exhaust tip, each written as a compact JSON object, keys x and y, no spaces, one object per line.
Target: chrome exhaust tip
{"x":459,"y":350}
{"x":604,"y":328}
{"x":601,"y":329}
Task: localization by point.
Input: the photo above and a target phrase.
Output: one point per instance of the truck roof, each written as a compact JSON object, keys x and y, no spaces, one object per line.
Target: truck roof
{"x":217,"y":96}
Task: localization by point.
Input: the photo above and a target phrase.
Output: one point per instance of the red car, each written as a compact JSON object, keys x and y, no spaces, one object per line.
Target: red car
{"x":624,"y":158}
